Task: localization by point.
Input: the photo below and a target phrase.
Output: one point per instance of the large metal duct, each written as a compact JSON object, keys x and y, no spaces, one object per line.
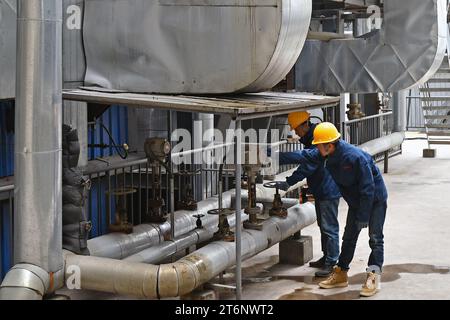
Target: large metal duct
{"x":406,"y":52}
{"x":179,"y":278}
{"x":8,"y":23}
{"x":38,"y":155}
{"x":194,"y":46}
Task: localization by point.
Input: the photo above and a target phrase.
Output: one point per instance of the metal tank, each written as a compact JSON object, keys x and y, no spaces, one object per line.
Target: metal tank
{"x":193,"y":46}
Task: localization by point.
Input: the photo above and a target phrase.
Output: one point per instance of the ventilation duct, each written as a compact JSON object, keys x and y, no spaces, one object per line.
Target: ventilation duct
{"x":8,"y":22}
{"x":193,"y":46}
{"x":406,"y":52}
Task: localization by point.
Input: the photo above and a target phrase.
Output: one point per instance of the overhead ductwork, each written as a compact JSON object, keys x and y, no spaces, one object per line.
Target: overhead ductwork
{"x":193,"y":46}
{"x":406,"y":52}
{"x":8,"y":23}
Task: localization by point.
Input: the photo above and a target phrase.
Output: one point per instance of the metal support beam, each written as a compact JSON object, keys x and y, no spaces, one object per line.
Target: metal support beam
{"x":238,"y":167}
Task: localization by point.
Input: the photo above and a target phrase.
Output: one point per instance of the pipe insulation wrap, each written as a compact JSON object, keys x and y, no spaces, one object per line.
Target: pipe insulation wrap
{"x":25,"y":282}
{"x":406,"y":52}
{"x":179,"y":278}
{"x":157,"y":253}
{"x":38,"y":154}
{"x":119,"y":246}
{"x":383,"y":144}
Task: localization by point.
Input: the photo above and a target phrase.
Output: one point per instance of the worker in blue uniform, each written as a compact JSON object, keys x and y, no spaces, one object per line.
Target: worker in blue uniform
{"x":362,"y":186}
{"x":323,"y":188}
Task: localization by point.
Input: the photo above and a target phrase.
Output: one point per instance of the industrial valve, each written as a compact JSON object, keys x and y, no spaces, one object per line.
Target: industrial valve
{"x":156,"y":150}
{"x":121,"y":216}
{"x":277,"y":210}
{"x":199,"y":223}
{"x":224,"y":233}
{"x":252,"y":170}
{"x":188,"y":201}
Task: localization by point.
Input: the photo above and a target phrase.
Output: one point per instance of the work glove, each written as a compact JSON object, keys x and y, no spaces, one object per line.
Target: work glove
{"x":283,"y":185}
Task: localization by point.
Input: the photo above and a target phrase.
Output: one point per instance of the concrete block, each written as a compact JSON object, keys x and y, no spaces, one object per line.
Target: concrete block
{"x":296,"y":251}
{"x":200,"y":295}
{"x":429,"y":153}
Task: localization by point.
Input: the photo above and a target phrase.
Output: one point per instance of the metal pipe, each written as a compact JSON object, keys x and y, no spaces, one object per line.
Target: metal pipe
{"x":119,"y":245}
{"x":25,"y":282}
{"x":400,"y":113}
{"x":383,"y":144}
{"x":238,"y":231}
{"x":180,"y":278}
{"x":167,"y":248}
{"x":326,"y":36}
{"x":38,"y":154}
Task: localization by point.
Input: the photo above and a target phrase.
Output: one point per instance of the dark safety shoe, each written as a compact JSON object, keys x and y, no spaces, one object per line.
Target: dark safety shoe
{"x":325,"y":272}
{"x":318,"y":264}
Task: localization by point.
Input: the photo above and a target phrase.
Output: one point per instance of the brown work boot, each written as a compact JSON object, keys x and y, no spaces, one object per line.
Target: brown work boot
{"x":338,"y":279}
{"x":372,"y":285}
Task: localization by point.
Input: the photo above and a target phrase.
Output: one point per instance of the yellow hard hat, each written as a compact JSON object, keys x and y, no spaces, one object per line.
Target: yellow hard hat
{"x":297,"y":118}
{"x":325,"y":133}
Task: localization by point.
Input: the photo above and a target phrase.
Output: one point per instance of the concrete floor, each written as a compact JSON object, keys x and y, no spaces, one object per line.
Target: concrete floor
{"x":417,"y":242}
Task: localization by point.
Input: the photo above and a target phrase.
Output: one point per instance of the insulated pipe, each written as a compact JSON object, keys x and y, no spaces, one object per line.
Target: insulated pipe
{"x":38,"y":155}
{"x":167,"y":248}
{"x":180,"y":278}
{"x":25,"y":282}
{"x":119,"y":245}
{"x":399,"y":110}
{"x":383,"y":144}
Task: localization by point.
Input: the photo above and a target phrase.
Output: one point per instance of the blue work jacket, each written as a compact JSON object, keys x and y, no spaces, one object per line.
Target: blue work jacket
{"x":318,"y":178}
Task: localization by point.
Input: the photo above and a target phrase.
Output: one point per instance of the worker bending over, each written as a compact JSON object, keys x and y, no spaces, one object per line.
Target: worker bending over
{"x":362,"y":186}
{"x":325,"y":191}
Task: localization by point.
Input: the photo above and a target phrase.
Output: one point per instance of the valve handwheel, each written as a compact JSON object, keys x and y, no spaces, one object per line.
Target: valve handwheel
{"x":226,"y":212}
{"x":271,"y":185}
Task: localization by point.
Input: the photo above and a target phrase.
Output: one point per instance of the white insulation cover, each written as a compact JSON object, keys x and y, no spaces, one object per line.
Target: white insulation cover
{"x":406,"y":52}
{"x":8,"y":23}
{"x":193,"y":46}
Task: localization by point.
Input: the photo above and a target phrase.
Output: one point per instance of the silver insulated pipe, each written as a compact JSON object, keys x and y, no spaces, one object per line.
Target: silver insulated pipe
{"x":38,"y":201}
{"x":181,"y":277}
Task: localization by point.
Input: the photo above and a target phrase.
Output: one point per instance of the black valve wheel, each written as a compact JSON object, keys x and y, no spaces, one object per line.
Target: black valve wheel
{"x":226,"y":212}
{"x":272,"y":184}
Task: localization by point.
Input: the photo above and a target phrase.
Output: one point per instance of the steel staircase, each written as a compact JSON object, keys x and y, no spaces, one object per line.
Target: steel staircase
{"x":435,"y":102}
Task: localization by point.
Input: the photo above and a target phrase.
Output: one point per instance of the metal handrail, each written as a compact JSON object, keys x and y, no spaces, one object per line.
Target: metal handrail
{"x":380,"y":115}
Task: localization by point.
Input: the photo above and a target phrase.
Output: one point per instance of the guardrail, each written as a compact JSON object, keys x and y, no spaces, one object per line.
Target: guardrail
{"x":369,"y":128}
